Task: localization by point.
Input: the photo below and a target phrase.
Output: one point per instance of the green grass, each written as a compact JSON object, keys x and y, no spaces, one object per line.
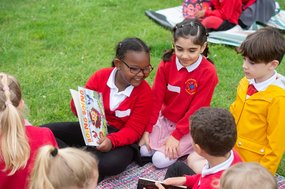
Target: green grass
{"x":54,"y":45}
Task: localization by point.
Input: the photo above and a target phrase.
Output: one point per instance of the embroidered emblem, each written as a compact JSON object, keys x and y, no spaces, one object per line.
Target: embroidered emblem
{"x":191,"y":86}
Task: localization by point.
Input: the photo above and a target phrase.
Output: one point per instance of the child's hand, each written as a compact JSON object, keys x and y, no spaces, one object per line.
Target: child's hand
{"x":174,"y":181}
{"x":158,"y":185}
{"x":105,"y":144}
{"x":200,"y":14}
{"x":145,"y":140}
{"x":171,"y":147}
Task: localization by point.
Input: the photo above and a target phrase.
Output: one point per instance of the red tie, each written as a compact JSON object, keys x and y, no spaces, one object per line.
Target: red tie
{"x":251,"y":90}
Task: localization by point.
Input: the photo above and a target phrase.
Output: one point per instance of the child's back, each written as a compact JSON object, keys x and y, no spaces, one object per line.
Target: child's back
{"x":214,"y":134}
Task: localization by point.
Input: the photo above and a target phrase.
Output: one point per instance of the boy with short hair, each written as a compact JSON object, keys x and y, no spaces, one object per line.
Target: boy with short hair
{"x":259,"y":107}
{"x":214,"y":134}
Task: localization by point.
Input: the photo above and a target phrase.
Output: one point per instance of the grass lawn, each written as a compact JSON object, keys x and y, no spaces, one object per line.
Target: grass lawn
{"x":54,"y":45}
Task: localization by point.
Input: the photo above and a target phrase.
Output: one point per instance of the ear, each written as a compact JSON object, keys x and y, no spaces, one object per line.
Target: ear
{"x":117,"y":63}
{"x":21,"y":105}
{"x":203,"y":47}
{"x":197,"y":148}
{"x":274,"y":64}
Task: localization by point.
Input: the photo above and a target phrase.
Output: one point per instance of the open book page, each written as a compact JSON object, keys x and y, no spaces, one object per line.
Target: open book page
{"x":145,"y":183}
{"x":91,"y":115}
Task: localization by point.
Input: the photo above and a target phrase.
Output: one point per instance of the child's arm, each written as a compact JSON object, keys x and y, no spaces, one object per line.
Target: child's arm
{"x":223,"y":10}
{"x":158,"y":90}
{"x":91,"y":84}
{"x":275,"y":135}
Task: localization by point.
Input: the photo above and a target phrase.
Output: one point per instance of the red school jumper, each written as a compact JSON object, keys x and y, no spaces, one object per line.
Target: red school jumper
{"x":132,"y":126}
{"x":229,"y":10}
{"x":37,"y":137}
{"x":178,"y":94}
{"x":206,"y":182}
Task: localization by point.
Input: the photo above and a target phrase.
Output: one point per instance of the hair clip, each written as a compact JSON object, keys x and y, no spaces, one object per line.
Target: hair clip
{"x":192,"y":24}
{"x":120,"y":44}
{"x":8,"y":102}
{"x":54,"y":152}
{"x":6,"y":88}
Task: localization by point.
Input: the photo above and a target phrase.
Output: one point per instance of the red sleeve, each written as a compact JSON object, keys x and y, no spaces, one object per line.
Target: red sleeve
{"x":51,"y":138}
{"x":202,"y":98}
{"x":223,"y":10}
{"x":139,"y":118}
{"x":191,"y":180}
{"x":90,"y":84}
{"x":158,"y":90}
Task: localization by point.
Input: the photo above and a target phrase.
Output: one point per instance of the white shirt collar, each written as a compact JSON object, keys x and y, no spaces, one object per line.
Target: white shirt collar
{"x":220,"y":167}
{"x":191,"y":67}
{"x":111,"y":83}
{"x":263,"y":85}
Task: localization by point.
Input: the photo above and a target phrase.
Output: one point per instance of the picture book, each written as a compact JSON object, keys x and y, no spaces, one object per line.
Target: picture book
{"x":91,"y":115}
{"x":145,"y":183}
{"x":190,"y":7}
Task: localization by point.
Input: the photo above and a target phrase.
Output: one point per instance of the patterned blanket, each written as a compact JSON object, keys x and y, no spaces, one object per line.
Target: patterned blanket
{"x":129,"y":178}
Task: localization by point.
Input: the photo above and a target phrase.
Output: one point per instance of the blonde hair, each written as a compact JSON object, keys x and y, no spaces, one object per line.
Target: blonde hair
{"x":59,"y":168}
{"x":247,"y":176}
{"x":15,"y":149}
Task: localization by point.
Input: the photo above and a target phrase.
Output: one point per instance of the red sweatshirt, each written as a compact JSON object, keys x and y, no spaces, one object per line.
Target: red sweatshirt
{"x":178,"y":94}
{"x":206,"y":182}
{"x":132,"y":126}
{"x":37,"y":137}
{"x":226,"y":9}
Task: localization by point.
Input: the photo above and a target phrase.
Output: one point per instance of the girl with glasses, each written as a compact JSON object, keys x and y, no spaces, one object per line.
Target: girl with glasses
{"x":127,"y":100}
{"x":184,"y":82}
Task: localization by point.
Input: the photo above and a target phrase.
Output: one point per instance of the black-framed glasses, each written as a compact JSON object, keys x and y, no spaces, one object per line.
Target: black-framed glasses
{"x":136,"y":69}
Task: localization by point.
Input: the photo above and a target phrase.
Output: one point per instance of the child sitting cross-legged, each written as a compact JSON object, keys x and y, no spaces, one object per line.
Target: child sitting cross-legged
{"x":214,"y":134}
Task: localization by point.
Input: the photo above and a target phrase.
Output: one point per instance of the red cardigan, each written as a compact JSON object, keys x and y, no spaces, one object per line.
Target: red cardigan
{"x":139,"y":103}
{"x":196,"y":90}
{"x":37,"y":137}
{"x":206,"y":182}
{"x":226,"y":9}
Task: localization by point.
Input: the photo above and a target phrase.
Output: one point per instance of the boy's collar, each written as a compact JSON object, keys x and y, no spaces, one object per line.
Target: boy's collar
{"x":263,"y":85}
{"x":220,"y":167}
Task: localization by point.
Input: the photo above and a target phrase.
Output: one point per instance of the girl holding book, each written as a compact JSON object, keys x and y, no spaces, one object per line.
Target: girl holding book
{"x":127,"y":101}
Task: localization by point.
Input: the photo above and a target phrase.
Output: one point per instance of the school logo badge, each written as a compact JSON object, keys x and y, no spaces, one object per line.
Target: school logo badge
{"x":191,"y":86}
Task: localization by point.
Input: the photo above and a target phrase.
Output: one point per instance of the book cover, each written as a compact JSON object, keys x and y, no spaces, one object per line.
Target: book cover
{"x":91,"y":115}
{"x":190,"y":7}
{"x":145,"y":183}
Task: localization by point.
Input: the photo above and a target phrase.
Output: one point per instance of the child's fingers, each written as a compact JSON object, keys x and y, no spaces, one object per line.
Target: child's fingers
{"x":158,"y":185}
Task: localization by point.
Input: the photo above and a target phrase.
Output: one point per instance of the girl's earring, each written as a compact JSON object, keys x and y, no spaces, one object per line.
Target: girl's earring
{"x":172,"y":46}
